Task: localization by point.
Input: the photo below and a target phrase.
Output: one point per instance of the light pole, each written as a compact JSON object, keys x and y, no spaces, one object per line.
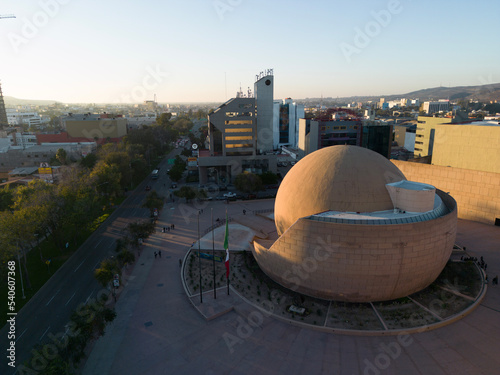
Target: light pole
{"x":199,"y":257}
{"x":213,"y":247}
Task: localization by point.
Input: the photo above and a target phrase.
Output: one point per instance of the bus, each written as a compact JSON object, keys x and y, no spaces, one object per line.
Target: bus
{"x":154,"y":174}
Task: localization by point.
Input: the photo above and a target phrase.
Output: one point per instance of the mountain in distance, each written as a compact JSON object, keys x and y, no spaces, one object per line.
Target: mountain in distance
{"x":10,"y":101}
{"x":482,"y":93}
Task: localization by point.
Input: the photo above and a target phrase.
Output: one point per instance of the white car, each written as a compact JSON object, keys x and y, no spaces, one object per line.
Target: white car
{"x":230,"y":194}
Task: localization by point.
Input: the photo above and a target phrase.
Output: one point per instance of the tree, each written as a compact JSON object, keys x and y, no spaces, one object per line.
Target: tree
{"x":153,"y":200}
{"x":61,"y":156}
{"x":269,"y":178}
{"x":105,"y":273}
{"x":6,"y":199}
{"x":89,"y":161}
{"x":248,"y":182}
{"x":188,"y":193}
{"x":106,"y":179}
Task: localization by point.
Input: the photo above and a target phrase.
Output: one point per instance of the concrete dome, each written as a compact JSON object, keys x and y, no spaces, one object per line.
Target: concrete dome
{"x":339,"y":178}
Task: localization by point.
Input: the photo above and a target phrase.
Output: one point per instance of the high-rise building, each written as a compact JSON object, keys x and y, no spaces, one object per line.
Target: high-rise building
{"x":3,"y":114}
{"x":286,"y":123}
{"x":240,"y":136}
{"x":264,"y":91}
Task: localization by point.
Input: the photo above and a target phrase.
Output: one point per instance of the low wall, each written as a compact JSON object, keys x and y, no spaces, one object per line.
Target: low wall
{"x":477,"y":193}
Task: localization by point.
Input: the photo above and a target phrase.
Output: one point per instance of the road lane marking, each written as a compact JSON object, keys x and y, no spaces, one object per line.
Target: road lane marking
{"x":18,"y":337}
{"x":70,"y":299}
{"x":95,"y":247}
{"x":89,"y":296}
{"x":41,"y":337}
{"x":76,"y":269}
{"x":52,"y":297}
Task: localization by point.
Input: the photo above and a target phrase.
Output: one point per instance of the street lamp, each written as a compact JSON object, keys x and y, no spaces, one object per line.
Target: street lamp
{"x":199,"y":257}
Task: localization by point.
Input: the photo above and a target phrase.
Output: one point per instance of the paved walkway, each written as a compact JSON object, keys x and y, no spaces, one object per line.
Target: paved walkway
{"x":158,"y":331}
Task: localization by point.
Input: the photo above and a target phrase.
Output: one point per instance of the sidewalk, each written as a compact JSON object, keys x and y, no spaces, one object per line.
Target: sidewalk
{"x":158,"y":331}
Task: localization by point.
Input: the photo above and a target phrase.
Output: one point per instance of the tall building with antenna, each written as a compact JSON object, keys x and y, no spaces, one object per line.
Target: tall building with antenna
{"x":3,"y":113}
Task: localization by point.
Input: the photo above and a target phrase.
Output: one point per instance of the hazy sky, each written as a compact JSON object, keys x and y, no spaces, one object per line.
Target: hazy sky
{"x":186,"y":50}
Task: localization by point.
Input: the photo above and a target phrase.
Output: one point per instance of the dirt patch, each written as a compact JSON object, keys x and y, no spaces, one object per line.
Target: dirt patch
{"x":404,"y":313}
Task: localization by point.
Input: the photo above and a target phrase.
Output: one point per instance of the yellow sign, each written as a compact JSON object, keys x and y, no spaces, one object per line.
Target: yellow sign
{"x":45,"y":170}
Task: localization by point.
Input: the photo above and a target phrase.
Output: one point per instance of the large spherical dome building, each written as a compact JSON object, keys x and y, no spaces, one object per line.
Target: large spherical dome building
{"x":352,"y":228}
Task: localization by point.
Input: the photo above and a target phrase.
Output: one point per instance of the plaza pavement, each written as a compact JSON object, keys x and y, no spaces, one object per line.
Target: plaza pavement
{"x":158,"y":331}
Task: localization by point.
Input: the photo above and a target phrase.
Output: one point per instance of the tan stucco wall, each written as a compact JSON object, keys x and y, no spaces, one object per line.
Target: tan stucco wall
{"x":103,"y":128}
{"x":359,"y":263}
{"x":477,"y":193}
{"x":467,"y":146}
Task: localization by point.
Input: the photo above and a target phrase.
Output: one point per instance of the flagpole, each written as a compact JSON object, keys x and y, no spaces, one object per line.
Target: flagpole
{"x":199,"y":257}
{"x":227,"y":249}
{"x":213,"y":248}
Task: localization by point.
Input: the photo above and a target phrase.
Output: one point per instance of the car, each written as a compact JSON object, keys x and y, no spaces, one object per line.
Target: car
{"x":229,"y":194}
{"x":222,"y":187}
{"x":148,"y":188}
{"x":173,"y":186}
{"x":251,"y":196}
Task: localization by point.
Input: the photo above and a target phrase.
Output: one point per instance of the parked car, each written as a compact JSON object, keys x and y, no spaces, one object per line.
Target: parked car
{"x":173,"y":186}
{"x":230,"y":194}
{"x":148,"y":188}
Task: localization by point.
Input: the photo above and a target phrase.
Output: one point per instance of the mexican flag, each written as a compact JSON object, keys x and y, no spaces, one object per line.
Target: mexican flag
{"x":226,"y":246}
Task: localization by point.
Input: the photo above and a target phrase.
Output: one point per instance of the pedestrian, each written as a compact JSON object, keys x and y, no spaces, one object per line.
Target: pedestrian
{"x":180,"y":263}
{"x":159,"y":253}
{"x":168,"y":229}
{"x":244,"y":212}
{"x":155,"y":254}
{"x":495,"y":280}
{"x":485,"y":266}
{"x":163,"y":230}
{"x":172,"y":226}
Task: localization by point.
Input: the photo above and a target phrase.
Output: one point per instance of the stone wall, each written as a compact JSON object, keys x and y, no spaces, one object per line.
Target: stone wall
{"x":360,"y":263}
{"x":477,"y":193}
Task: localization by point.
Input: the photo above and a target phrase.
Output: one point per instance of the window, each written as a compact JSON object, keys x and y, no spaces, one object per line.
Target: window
{"x":418,"y":149}
{"x":239,"y":130}
{"x":238,"y":145}
{"x":238,"y":122}
{"x":240,"y":138}
{"x":419,"y":143}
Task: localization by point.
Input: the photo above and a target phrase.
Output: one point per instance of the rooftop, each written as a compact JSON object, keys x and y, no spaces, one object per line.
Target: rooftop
{"x":383,"y":217}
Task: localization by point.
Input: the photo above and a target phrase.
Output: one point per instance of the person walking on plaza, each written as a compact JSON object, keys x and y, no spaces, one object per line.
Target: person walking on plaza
{"x":155,"y":254}
{"x":159,"y":253}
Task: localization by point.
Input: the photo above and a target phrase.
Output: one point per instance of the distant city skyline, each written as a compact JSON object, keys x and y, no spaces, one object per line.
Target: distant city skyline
{"x":203,"y":50}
